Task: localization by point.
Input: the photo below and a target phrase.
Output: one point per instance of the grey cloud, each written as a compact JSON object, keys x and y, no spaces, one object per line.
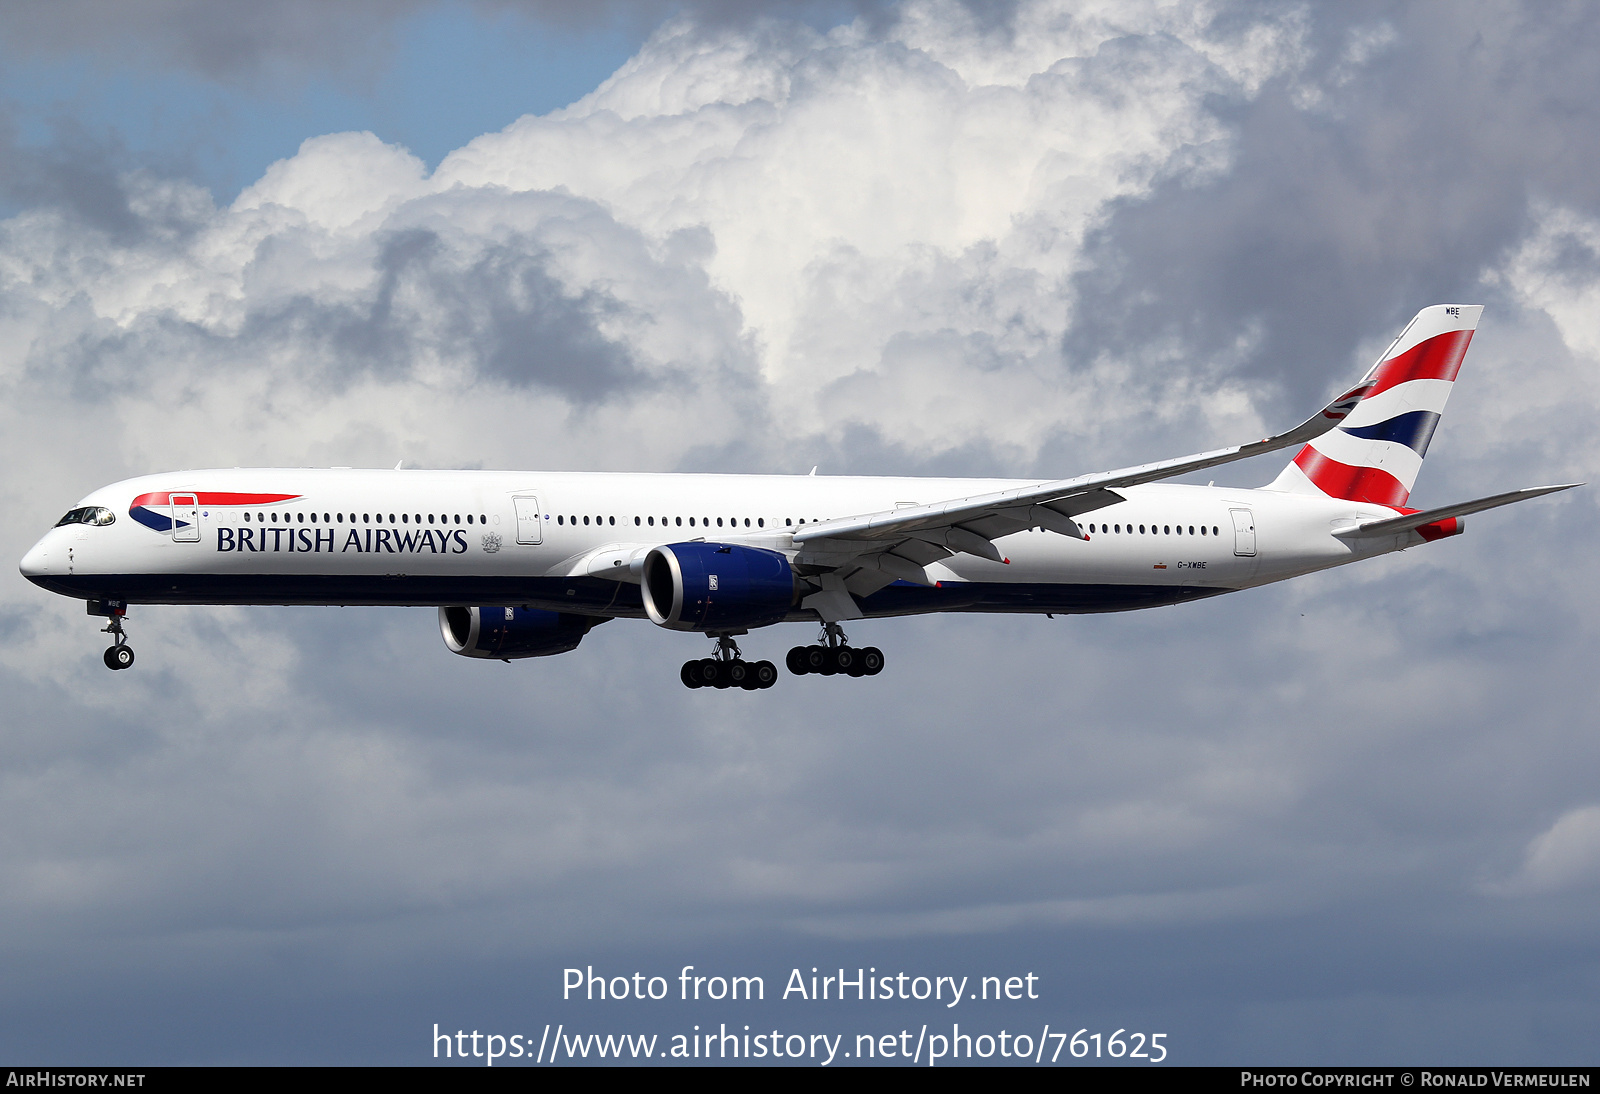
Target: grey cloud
{"x":268,"y":41}
{"x":74,"y":172}
{"x":1397,"y":189}
{"x":227,"y":41}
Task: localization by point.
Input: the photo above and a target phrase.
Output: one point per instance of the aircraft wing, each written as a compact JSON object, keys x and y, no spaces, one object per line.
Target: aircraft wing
{"x":899,"y":543}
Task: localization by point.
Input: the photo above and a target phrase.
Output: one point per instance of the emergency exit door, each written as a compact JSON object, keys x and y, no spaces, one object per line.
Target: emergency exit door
{"x":185,"y":518}
{"x":530,"y":527}
{"x":1244,"y":532}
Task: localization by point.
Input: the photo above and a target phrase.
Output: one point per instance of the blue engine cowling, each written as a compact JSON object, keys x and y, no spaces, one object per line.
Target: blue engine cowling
{"x":505,"y":633}
{"x":716,"y":586}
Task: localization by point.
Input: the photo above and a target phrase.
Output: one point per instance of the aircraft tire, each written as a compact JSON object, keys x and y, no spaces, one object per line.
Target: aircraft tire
{"x":844,"y":661}
{"x":765,"y":674}
{"x":688,"y":675}
{"x":118,"y":657}
{"x":705,"y":671}
{"x":871,"y":661}
{"x":796,"y":661}
{"x":738,"y":674}
{"x":817,"y":660}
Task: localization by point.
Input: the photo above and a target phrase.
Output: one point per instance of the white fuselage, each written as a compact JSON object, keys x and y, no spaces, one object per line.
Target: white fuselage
{"x":570,"y":541}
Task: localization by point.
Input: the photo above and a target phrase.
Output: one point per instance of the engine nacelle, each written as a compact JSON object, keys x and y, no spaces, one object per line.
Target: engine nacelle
{"x":716,"y":586}
{"x":504,"y":633}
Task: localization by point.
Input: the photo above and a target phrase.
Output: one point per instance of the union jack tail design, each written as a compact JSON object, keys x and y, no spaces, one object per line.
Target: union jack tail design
{"x":1375,"y":453}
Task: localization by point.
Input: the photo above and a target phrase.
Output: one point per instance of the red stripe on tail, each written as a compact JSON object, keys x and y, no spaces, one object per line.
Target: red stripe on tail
{"x":1439,"y":358}
{"x":1340,"y":480}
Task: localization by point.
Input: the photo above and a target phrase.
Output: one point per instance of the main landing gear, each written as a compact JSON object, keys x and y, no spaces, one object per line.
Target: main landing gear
{"x":728,"y":669}
{"x":835,"y":656}
{"x":119,"y":655}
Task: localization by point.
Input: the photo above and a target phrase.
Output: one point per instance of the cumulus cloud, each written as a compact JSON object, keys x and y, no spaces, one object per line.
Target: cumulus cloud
{"x":1068,"y":238}
{"x":1563,"y":858}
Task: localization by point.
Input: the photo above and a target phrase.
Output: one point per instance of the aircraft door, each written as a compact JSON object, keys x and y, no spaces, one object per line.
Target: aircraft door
{"x":1244,"y":532}
{"x":185,"y":518}
{"x":530,"y":527}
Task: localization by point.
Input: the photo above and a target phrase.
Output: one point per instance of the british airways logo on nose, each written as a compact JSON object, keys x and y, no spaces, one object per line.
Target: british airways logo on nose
{"x":157,"y":512}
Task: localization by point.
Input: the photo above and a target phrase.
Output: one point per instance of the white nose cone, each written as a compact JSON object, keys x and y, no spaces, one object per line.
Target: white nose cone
{"x":36,"y":563}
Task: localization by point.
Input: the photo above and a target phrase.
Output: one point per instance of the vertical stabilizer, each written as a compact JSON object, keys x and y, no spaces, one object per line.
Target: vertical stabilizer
{"x":1375,"y":453}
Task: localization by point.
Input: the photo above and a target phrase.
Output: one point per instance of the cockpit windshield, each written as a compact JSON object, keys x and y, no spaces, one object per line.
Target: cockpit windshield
{"x":89,"y":514}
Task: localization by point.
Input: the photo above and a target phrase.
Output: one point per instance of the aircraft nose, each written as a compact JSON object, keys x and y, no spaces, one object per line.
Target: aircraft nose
{"x":36,"y":563}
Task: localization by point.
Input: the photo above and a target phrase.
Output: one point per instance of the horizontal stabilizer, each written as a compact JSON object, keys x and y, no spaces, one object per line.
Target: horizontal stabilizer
{"x":1392,"y":525}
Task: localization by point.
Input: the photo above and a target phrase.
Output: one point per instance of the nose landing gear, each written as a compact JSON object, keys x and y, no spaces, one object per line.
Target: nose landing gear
{"x":728,"y":669}
{"x":835,"y":656}
{"x":120,"y":654}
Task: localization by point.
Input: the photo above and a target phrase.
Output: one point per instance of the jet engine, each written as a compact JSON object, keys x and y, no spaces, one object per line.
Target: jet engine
{"x":505,"y":633}
{"x":716,"y":586}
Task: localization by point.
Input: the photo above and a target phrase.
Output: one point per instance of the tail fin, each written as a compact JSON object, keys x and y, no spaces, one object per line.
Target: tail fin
{"x":1375,"y":453}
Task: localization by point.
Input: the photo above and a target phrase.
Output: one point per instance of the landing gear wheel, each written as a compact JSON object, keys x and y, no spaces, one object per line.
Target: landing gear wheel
{"x":738,"y":673}
{"x":817,"y":660}
{"x":765,"y":674}
{"x":705,"y":671}
{"x":844,"y":660}
{"x":870,"y":660}
{"x":688,"y":675}
{"x":119,"y":657}
{"x":796,"y":661}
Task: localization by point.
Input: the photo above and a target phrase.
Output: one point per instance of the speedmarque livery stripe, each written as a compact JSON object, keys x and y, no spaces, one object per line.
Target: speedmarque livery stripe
{"x":154,"y":511}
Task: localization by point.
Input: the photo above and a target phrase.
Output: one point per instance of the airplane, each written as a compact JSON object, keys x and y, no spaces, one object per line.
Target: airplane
{"x":524,"y":564}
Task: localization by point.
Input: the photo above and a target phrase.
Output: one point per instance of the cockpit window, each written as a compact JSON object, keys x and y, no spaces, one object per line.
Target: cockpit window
{"x":89,"y":514}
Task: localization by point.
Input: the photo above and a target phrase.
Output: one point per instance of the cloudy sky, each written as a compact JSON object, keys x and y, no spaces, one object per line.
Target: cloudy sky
{"x":1354,"y":818}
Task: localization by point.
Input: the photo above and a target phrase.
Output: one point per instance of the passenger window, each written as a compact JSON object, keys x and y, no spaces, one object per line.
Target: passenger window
{"x":678,"y":521}
{"x":747,"y":522}
{"x":1166,"y":529}
{"x":691,"y":522}
{"x":636,"y":522}
{"x":247,"y":518}
{"x":560,"y":519}
{"x":719,"y":522}
{"x":652,"y":522}
{"x":613,"y":520}
{"x":761,"y":522}
{"x":585,"y":522}
{"x":1191,"y":529}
